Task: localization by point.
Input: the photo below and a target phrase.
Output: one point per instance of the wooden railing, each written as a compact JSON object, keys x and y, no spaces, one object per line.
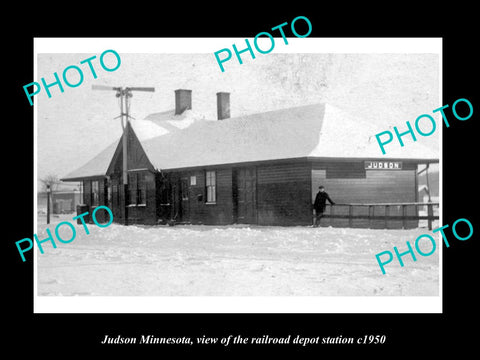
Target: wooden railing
{"x":335,"y":212}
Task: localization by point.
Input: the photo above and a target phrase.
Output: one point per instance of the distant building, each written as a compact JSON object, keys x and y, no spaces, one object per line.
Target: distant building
{"x":62,"y":202}
{"x":261,"y":169}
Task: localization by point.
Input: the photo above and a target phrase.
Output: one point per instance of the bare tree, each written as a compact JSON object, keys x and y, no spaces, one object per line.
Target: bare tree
{"x":51,"y":180}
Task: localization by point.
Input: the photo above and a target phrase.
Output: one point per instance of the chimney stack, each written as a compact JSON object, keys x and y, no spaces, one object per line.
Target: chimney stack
{"x":183,"y":101}
{"x":223,"y":105}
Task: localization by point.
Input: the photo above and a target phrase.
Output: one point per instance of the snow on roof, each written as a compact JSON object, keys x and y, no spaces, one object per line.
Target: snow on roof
{"x":96,"y":167}
{"x":162,"y":123}
{"x":152,"y":126}
{"x":344,"y":135}
{"x":319,"y":130}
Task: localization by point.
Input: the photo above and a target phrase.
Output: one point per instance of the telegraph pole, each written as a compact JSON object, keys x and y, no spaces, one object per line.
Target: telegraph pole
{"x":124,"y":94}
{"x":48,"y":203}
{"x":124,"y":115}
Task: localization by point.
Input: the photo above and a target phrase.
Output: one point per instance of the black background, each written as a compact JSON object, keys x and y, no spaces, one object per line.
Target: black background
{"x":61,"y":335}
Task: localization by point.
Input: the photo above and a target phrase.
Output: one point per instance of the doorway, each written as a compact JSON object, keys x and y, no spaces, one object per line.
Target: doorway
{"x":244,"y":191}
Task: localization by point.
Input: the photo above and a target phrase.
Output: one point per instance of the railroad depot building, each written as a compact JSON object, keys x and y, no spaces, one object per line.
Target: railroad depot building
{"x":263,"y":168}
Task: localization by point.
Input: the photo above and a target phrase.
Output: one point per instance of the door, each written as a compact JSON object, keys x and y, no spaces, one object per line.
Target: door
{"x":116,"y":199}
{"x":163,"y":199}
{"x":245,"y":195}
{"x":180,"y":202}
{"x":185,"y":201}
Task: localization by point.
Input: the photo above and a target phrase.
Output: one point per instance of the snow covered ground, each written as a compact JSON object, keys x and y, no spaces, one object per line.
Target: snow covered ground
{"x":231,"y":260}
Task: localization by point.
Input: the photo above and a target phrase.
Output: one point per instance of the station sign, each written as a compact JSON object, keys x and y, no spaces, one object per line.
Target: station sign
{"x":383,"y":165}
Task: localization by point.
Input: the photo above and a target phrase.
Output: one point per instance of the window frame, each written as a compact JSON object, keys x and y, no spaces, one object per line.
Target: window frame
{"x":184,"y":189}
{"x":132,"y":189}
{"x":137,"y":188}
{"x":210,"y":187}
{"x":141,"y":189}
{"x":95,"y":193}
{"x":115,"y":193}
{"x":193,"y":180}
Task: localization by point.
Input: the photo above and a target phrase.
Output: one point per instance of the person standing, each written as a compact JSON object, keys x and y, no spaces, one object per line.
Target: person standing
{"x":320,"y":204}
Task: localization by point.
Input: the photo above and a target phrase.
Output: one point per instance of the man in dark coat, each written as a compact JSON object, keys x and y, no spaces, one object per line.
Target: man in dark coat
{"x":320,"y":204}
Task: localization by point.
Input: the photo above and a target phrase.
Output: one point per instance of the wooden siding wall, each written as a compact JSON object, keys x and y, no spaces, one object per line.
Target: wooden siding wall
{"x":283,"y":194}
{"x":137,"y":159}
{"x":118,"y":199}
{"x":87,"y":192}
{"x":201,"y":212}
{"x":100,"y":216}
{"x":376,"y":186}
{"x":145,"y":214}
{"x":137,"y":214}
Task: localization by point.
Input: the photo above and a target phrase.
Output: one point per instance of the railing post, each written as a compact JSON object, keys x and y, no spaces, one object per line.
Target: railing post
{"x":370,"y":207}
{"x":429,"y":215}
{"x":350,"y":214}
{"x":332,"y":214}
{"x":387,"y":213}
{"x":404,"y":214}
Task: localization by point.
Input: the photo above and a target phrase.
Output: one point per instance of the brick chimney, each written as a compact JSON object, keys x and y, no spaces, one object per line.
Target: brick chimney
{"x":183,"y":100}
{"x":223,"y":105}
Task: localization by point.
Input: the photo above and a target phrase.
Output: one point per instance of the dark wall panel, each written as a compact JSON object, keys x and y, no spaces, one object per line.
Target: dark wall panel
{"x":198,"y":211}
{"x":283,"y":194}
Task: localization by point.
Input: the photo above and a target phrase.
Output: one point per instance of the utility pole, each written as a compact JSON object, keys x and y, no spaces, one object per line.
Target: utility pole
{"x":48,"y":203}
{"x":124,"y":94}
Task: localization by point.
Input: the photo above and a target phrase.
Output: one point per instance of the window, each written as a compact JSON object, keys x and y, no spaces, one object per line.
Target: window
{"x":87,"y":192}
{"x":210,"y":183}
{"x":115,"y":195}
{"x":132,"y":189}
{"x":95,"y":193}
{"x":109,"y":194}
{"x":137,"y":189}
{"x":141,"y":189}
{"x":82,"y":191}
{"x":184,"y":189}
{"x":193,"y":180}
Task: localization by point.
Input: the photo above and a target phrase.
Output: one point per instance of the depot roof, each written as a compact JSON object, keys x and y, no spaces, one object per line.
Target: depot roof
{"x":310,"y":131}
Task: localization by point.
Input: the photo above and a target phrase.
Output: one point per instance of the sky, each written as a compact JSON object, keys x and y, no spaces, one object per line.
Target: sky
{"x":385,"y":89}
